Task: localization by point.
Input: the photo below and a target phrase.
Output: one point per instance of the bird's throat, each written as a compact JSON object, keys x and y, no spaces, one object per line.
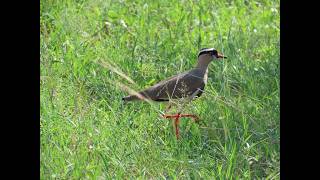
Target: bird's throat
{"x":203,"y":62}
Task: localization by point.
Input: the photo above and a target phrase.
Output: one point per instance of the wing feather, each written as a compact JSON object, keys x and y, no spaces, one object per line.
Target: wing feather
{"x":181,"y":85}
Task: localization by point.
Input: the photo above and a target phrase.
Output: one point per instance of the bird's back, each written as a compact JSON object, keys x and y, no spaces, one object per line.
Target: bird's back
{"x":178,"y":86}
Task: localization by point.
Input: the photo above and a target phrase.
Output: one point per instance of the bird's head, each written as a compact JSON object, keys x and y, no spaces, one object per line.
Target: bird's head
{"x":210,"y":54}
{"x":206,"y":55}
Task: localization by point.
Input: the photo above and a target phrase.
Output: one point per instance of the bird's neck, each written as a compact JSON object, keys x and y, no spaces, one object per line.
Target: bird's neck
{"x":203,"y":71}
{"x":203,"y":62}
{"x":202,"y":65}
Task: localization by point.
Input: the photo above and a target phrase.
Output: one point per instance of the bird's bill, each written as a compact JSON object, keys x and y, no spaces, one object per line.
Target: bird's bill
{"x":221,"y":56}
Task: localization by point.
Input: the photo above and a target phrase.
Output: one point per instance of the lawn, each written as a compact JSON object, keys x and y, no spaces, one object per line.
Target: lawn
{"x":91,"y":50}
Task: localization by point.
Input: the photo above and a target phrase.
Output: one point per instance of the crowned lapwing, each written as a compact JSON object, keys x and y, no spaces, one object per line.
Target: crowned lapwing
{"x":189,"y":84}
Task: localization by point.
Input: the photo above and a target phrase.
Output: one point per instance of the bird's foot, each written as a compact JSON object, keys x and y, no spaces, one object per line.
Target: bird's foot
{"x":177,"y":117}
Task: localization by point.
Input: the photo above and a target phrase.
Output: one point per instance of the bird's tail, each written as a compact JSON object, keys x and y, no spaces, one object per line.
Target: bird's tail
{"x":137,"y":96}
{"x":130,"y":98}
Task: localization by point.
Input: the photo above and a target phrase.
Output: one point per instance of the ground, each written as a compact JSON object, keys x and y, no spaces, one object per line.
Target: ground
{"x":90,"y":50}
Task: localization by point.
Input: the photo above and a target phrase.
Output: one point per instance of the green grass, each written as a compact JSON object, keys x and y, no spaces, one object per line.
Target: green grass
{"x":88,"y":133}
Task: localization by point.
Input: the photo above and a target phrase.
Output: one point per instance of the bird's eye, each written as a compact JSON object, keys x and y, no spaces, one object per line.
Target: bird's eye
{"x":214,"y":52}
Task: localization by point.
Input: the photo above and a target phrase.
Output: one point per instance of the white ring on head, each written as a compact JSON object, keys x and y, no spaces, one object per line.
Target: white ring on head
{"x":206,"y":50}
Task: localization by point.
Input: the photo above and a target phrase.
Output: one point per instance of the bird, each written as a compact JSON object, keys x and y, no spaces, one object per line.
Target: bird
{"x":189,"y":85}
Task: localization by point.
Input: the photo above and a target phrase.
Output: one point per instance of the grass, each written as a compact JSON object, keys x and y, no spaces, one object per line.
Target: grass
{"x":88,"y":133}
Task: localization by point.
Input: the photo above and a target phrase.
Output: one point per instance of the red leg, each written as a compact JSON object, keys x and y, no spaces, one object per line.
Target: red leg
{"x":195,"y":118}
{"x":170,"y":116}
{"x":176,"y":124}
